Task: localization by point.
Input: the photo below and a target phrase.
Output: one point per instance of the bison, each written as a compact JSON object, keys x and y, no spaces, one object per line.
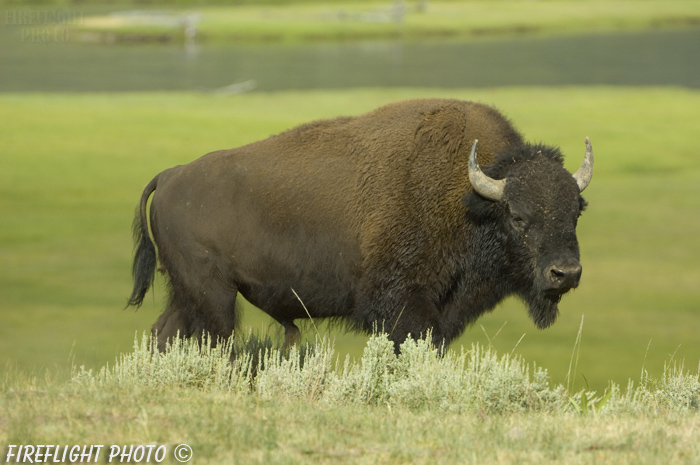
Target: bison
{"x":384,"y":220}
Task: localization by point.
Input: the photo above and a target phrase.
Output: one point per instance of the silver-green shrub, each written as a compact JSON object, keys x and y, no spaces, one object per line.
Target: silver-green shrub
{"x":420,"y":377}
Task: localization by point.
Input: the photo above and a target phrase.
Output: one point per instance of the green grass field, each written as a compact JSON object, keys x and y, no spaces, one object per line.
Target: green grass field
{"x":73,"y":167}
{"x":309,"y":20}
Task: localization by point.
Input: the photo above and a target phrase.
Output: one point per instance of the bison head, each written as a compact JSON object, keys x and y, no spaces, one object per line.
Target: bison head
{"x":534,"y":204}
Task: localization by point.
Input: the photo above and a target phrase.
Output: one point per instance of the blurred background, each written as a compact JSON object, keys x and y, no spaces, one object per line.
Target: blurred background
{"x":97,"y":97}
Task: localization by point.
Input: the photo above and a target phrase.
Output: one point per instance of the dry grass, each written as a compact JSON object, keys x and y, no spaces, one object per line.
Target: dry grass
{"x":471,"y":407}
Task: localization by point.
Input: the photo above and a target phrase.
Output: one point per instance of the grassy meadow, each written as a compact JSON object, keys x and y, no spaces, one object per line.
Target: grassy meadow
{"x":73,"y":167}
{"x":614,"y":380}
{"x":312,"y":20}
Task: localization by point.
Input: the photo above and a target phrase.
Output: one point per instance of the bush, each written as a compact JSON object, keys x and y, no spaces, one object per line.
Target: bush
{"x":420,"y":378}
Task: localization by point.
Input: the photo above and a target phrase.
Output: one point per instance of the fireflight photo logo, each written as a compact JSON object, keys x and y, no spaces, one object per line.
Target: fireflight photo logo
{"x":43,"y":26}
{"x":93,"y":453}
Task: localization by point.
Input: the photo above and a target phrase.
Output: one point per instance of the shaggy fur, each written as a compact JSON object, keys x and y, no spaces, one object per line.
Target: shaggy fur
{"x":370,"y":219}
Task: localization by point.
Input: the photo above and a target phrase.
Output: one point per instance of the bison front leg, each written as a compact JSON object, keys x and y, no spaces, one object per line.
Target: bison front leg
{"x":292,"y":335}
{"x":415,"y":318}
{"x":416,"y":326}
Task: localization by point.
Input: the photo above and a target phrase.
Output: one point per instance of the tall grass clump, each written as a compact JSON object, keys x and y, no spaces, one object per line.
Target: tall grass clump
{"x":303,"y":373}
{"x":184,"y":364}
{"x":421,"y":377}
{"x":676,"y":391}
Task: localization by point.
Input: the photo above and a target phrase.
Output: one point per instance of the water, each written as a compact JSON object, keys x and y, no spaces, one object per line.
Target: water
{"x":662,"y":57}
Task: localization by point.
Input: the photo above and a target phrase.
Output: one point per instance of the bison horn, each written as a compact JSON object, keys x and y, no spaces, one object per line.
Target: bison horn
{"x":584,"y":174}
{"x":482,"y":184}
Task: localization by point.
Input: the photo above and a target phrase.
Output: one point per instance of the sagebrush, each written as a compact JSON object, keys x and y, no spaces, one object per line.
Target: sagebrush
{"x":420,"y":377}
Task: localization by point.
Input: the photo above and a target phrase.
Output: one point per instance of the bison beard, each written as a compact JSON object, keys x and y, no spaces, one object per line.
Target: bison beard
{"x":383,"y":220}
{"x":543,"y":309}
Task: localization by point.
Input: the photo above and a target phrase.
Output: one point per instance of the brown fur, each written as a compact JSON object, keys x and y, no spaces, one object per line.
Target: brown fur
{"x":362,"y":216}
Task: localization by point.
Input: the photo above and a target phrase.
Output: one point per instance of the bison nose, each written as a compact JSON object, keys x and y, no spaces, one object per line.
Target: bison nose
{"x":565,"y":276}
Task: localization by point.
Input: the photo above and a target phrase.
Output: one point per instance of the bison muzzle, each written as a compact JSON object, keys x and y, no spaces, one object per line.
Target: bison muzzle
{"x":384,"y":220}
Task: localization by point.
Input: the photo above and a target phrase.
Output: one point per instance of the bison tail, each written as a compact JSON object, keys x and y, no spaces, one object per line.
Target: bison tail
{"x":144,"y":266}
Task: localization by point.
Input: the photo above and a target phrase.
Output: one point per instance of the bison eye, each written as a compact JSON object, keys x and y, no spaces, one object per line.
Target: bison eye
{"x":519,"y":223}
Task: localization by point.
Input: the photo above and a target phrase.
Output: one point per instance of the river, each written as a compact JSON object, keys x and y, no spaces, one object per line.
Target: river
{"x":657,"y":57}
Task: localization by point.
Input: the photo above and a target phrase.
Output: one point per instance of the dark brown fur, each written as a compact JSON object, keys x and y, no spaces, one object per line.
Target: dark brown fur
{"x":363,"y":217}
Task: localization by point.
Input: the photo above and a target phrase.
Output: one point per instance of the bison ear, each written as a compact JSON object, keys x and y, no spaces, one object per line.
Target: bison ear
{"x":467,"y":200}
{"x":582,"y":204}
{"x":477,"y":206}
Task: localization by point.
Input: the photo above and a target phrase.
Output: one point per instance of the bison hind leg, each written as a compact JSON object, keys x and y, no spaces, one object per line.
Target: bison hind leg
{"x":212,"y":311}
{"x":169,"y":326}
